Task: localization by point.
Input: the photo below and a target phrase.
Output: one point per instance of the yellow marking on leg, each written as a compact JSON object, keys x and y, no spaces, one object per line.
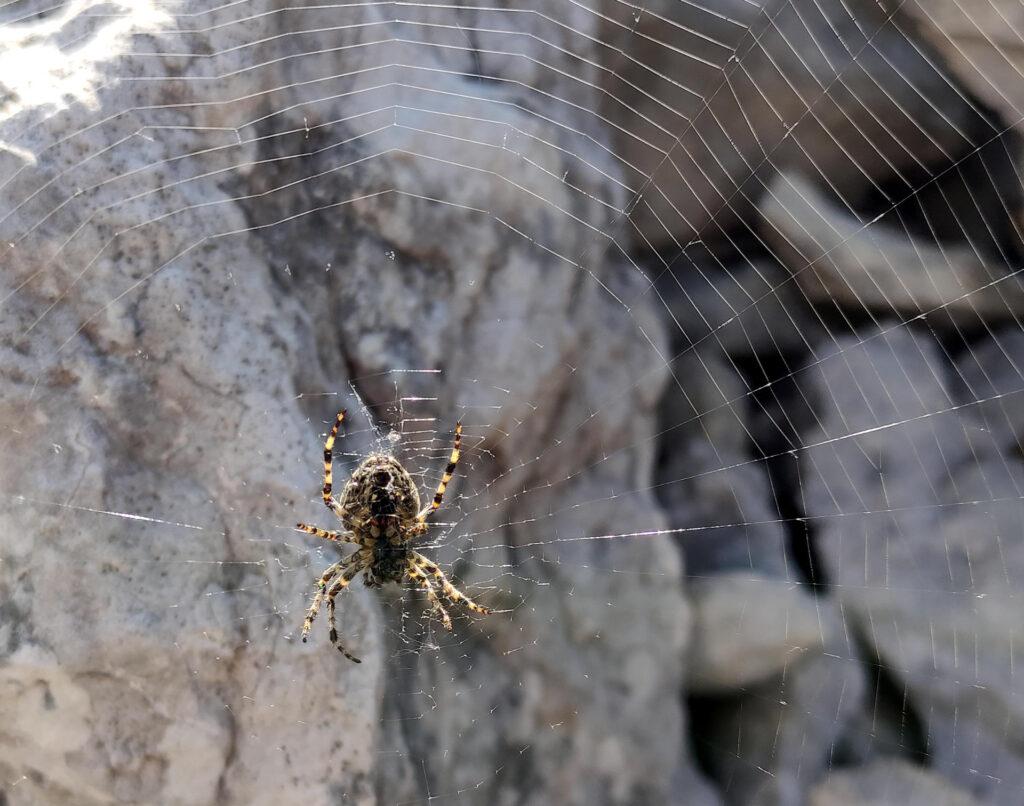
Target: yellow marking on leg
{"x":449,"y":589}
{"x":415,"y":530}
{"x":356,"y":561}
{"x":328,"y":461}
{"x":336,"y":588}
{"x":424,"y":581}
{"x":314,"y":608}
{"x":337,"y":537}
{"x":449,"y":471}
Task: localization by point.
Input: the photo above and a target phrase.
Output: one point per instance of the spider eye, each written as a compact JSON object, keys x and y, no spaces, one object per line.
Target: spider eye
{"x":382,"y":478}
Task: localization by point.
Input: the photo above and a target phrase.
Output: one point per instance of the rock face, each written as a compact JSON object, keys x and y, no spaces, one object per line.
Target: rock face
{"x":982,"y":45}
{"x":725,"y":295}
{"x":888,"y":783}
{"x":843,"y":422}
{"x":921,"y":519}
{"x":839,"y":259}
{"x":748,"y":628}
{"x":741,"y":89}
{"x":197,"y":274}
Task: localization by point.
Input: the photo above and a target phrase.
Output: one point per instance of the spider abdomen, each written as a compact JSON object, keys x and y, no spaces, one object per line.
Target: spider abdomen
{"x":379,"y":497}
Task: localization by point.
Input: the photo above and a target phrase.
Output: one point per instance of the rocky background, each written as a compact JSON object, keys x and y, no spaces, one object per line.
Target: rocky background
{"x":734,"y":282}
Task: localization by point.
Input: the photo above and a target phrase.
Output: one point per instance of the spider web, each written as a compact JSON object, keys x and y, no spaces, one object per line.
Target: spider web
{"x":726,"y":296}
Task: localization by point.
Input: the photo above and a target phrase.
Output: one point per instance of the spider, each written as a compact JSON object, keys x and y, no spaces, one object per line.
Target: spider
{"x":380,"y":510}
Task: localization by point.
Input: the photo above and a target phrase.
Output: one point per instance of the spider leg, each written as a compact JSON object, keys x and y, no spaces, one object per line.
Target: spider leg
{"x":340,"y":585}
{"x":329,"y":502}
{"x":447,"y":477}
{"x":321,"y":588}
{"x":337,"y":537}
{"x":415,"y":530}
{"x":449,"y":589}
{"x":421,"y":579}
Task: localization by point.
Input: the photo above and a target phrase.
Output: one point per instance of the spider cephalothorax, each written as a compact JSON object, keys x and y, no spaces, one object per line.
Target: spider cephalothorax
{"x":380,"y":510}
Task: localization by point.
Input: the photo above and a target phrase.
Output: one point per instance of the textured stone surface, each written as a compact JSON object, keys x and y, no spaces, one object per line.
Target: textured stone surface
{"x":706,"y":480}
{"x":989,"y":384}
{"x":177,"y":330}
{"x":737,"y":90}
{"x":982,"y":44}
{"x":754,"y":540}
{"x":921,"y":537}
{"x":741,"y":308}
{"x":837,"y":258}
{"x":888,"y":783}
{"x":773,"y":741}
{"x":748,"y":628}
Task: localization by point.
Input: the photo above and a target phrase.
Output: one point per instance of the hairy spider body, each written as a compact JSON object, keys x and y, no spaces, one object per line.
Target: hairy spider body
{"x":380,"y":495}
{"x":380,"y":510}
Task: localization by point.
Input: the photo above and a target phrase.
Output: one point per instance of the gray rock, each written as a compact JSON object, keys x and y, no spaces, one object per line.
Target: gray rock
{"x":888,"y":783}
{"x":740,"y":309}
{"x":217,"y":226}
{"x":195,"y":285}
{"x":748,"y":628}
{"x":837,"y":258}
{"x":709,"y":99}
{"x":769,"y":745}
{"x":920,"y":537}
{"x":706,"y":479}
{"x":989,"y":385}
{"x":980,"y":44}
